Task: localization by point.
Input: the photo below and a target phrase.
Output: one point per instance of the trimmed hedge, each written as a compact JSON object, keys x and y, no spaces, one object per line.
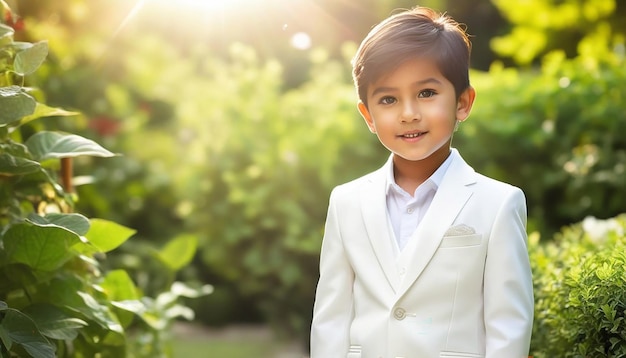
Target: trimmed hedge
{"x":580,"y":290}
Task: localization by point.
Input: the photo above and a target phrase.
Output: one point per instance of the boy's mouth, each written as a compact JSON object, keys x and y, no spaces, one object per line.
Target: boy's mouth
{"x":412,"y":134}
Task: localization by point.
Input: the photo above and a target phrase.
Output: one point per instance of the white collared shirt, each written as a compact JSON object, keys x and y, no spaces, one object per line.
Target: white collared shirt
{"x":406,"y":211}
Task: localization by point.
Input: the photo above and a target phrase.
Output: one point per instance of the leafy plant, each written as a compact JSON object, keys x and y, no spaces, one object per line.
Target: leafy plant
{"x":542,"y":26}
{"x":554,"y":132}
{"x":580,"y":291}
{"x":267,"y":175}
{"x":245,"y":163}
{"x":55,"y":300}
{"x":246,"y":155}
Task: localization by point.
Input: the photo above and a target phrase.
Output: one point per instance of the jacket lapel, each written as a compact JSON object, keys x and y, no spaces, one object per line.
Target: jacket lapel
{"x":450,"y":198}
{"x":374,"y":211}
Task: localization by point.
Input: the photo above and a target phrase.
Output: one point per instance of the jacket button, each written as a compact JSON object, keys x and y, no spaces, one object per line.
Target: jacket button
{"x":399,"y":314}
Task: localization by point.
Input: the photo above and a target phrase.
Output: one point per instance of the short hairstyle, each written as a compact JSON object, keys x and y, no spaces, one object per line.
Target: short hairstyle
{"x":415,"y":33}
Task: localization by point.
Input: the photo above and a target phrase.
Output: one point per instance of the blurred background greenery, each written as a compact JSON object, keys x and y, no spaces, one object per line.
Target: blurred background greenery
{"x":236,"y":118}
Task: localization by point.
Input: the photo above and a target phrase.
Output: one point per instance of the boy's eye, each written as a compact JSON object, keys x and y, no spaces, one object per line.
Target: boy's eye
{"x":387,"y":100}
{"x":427,"y":93}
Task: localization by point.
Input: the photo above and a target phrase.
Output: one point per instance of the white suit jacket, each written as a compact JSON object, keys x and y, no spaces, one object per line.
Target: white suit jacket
{"x":462,"y":287}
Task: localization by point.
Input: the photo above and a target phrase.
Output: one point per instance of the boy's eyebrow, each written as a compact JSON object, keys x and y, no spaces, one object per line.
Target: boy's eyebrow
{"x":416,"y":83}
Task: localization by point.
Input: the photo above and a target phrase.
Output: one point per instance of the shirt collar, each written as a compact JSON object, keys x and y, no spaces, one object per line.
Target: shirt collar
{"x":434,"y":180}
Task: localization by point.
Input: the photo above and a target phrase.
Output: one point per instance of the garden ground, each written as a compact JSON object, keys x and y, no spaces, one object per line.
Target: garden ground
{"x":237,"y":341}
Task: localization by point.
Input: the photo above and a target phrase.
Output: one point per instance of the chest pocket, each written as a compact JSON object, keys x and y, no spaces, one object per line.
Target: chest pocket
{"x":459,"y":355}
{"x":449,"y":242}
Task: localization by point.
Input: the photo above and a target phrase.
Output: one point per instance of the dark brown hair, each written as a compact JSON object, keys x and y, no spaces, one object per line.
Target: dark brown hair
{"x":419,"y":32}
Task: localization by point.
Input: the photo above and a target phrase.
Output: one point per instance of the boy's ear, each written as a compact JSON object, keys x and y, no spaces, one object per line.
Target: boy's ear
{"x":365,"y":113}
{"x":465,"y":103}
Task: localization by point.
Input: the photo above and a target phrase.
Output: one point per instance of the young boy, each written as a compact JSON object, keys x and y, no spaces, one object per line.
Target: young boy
{"x":424,"y":257}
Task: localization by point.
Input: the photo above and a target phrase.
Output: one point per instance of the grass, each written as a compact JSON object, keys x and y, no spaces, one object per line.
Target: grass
{"x":193,"y":341}
{"x":192,"y":348}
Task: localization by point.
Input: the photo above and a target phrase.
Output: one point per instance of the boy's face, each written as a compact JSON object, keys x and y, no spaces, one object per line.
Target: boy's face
{"x":413,"y":110}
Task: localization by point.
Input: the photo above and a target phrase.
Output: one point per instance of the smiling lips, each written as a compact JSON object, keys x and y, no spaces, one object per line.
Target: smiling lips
{"x":413,"y":134}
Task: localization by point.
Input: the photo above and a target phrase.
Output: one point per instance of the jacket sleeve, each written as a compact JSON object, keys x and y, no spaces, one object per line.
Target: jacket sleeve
{"x":333,"y":310}
{"x":508,"y":290}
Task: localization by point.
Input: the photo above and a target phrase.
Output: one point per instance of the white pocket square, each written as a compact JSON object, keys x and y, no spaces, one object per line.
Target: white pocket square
{"x":460,"y":230}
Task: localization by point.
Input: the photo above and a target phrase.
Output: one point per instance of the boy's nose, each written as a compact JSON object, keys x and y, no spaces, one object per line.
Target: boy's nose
{"x":410,"y":112}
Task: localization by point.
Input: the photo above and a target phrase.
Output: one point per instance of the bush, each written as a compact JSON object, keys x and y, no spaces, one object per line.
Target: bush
{"x":580,"y":291}
{"x":555,"y":129}
{"x":225,"y":147}
{"x":242,"y":162}
{"x":56,"y":299}
{"x":557,"y":134}
{"x":262,"y":194}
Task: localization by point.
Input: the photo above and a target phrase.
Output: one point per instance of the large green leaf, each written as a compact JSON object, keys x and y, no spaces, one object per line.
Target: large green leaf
{"x":53,"y":322}
{"x":28,"y":60}
{"x":64,"y":292}
{"x":23,"y":331}
{"x":11,"y":165}
{"x":107,"y":235}
{"x":178,"y":252}
{"x":19,"y":46}
{"x":41,"y":248}
{"x":119,"y":286}
{"x":68,"y":293}
{"x":42,"y":110}
{"x":76,"y":223}
{"x":50,"y":145}
{"x":14,"y":104}
{"x":101,"y":314}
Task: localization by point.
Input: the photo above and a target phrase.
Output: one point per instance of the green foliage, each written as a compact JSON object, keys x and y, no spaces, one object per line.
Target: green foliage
{"x":270,"y":158}
{"x":541,"y":26}
{"x":228,"y":152}
{"x":19,"y":329}
{"x":580,"y":291}
{"x":242,"y":166}
{"x":556,"y":133}
{"x":55,"y":301}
